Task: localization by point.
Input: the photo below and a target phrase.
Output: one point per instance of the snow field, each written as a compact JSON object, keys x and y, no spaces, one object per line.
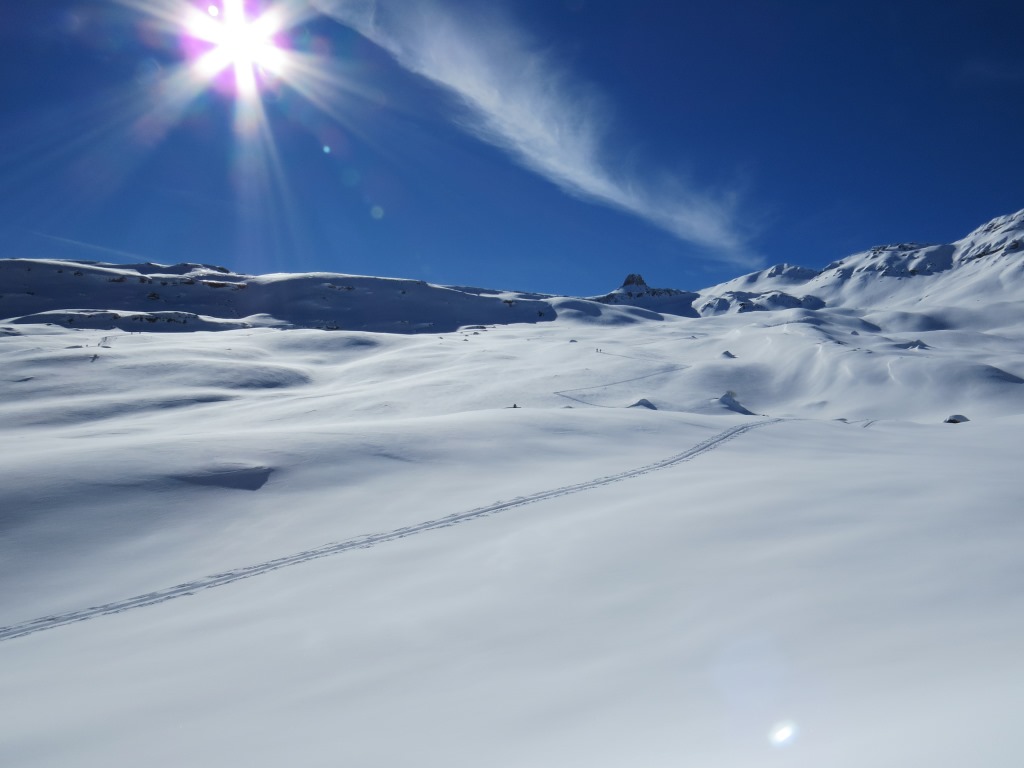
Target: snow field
{"x":738,"y":540}
{"x":684,"y":612}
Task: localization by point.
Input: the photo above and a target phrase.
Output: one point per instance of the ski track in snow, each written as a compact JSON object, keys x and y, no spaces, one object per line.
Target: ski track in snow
{"x":664,"y":372}
{"x":365,"y":542}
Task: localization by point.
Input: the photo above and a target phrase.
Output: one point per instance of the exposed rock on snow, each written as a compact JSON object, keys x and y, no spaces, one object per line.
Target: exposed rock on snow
{"x":729,"y":401}
{"x":643,"y":402}
{"x":915,"y":344}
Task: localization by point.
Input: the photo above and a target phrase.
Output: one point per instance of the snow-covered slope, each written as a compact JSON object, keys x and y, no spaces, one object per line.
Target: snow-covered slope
{"x":603,"y":535}
{"x":978,"y":280}
{"x":191,"y":296}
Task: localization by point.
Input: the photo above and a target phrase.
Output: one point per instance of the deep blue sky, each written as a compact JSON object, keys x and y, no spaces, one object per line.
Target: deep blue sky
{"x":542,"y":145}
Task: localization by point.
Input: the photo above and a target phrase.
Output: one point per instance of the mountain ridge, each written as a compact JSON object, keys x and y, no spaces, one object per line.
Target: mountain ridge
{"x":906,"y":277}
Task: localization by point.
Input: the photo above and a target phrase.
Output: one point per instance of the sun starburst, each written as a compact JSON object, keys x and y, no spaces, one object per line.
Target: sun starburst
{"x":239,"y":51}
{"x":246,"y":45}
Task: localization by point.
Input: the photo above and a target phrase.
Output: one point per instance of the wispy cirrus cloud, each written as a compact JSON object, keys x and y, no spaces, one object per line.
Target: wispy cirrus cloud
{"x":518,"y":98}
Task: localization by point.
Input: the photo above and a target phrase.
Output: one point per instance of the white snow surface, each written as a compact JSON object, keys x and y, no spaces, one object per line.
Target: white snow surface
{"x":337,"y":520}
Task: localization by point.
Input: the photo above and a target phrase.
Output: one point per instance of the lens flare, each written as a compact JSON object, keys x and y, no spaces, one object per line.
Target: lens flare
{"x":782,"y":734}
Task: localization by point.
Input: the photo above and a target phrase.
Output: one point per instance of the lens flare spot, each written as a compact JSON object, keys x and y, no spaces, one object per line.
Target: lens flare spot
{"x":214,"y":11}
{"x":327,"y":150}
{"x":782,"y":734}
{"x":377,"y":212}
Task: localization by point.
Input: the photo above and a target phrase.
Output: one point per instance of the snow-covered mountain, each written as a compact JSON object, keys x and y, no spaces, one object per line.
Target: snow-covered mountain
{"x":380,"y":522}
{"x":201,"y":297}
{"x":980,"y":278}
{"x":899,"y":331}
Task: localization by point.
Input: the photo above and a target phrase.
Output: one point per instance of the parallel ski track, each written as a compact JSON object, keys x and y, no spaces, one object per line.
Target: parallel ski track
{"x":365,"y":542}
{"x":663,"y":372}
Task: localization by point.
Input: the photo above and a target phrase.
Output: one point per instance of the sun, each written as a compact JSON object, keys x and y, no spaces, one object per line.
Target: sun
{"x":245,"y":45}
{"x":239,"y":49}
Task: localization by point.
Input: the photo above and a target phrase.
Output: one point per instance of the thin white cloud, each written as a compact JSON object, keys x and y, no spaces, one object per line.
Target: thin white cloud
{"x":132,"y":257}
{"x":519,"y":99}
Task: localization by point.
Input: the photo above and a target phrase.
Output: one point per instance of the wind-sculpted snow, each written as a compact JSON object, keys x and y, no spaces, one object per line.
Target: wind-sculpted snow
{"x":255,"y":478}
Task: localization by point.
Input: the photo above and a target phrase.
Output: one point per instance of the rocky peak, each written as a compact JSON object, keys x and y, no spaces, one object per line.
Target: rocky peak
{"x":637,"y":293}
{"x":634,"y":279}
